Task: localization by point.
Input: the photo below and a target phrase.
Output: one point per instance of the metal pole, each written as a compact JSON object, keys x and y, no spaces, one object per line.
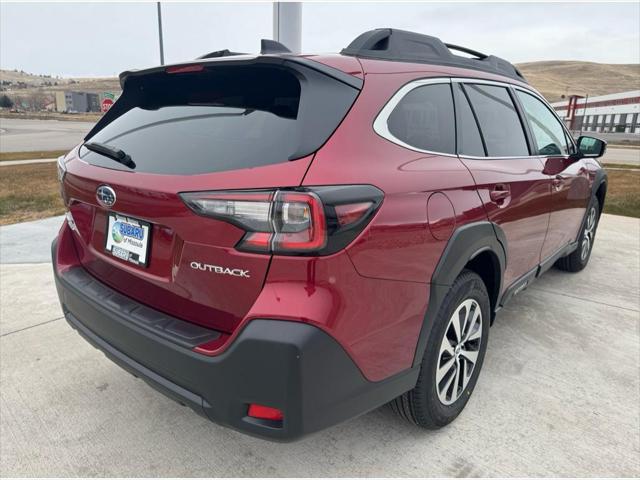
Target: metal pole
{"x":584,"y":112}
{"x":160,"y":34}
{"x":287,"y":24}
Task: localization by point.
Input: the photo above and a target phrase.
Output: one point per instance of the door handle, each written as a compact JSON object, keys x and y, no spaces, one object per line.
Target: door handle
{"x":499,"y":193}
{"x":558,"y":181}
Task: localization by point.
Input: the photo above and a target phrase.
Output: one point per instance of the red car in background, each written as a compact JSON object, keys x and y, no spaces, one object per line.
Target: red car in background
{"x":283,"y":242}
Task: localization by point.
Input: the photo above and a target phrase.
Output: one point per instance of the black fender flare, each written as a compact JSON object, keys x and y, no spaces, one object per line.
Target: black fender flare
{"x":464,"y":245}
{"x":600,"y":179}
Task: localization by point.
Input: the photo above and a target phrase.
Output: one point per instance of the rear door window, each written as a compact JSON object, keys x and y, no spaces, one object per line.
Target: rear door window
{"x":499,"y":121}
{"x":548,"y":132}
{"x":424,"y":119}
{"x":223,"y":118}
{"x":469,"y":139}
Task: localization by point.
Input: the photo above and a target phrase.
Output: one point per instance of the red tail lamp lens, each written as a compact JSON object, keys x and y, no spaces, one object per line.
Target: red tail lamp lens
{"x":265,"y":413}
{"x":275,"y":221}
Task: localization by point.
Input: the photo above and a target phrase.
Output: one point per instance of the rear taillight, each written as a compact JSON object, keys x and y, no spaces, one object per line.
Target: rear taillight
{"x":62,"y":172}
{"x":317,"y":221}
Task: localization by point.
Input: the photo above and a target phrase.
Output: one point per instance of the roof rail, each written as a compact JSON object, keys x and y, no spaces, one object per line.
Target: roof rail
{"x":400,"y":45}
{"x":219,"y":53}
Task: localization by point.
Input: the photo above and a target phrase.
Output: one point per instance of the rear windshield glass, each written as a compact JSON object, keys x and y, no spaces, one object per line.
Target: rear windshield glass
{"x":223,"y":118}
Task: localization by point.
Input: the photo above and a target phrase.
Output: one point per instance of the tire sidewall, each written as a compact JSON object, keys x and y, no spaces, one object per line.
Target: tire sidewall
{"x":471,"y":287}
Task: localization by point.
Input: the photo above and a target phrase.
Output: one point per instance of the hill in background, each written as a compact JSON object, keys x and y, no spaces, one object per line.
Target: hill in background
{"x":552,"y":78}
{"x":556,"y":78}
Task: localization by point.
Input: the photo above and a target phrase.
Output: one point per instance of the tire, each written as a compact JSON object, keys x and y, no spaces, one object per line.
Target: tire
{"x":428,"y":404}
{"x":578,"y":259}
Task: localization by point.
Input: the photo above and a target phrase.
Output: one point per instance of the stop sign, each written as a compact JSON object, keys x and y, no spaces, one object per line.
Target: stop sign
{"x":106,"y":104}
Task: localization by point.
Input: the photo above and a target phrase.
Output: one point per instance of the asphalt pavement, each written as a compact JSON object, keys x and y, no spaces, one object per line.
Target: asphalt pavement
{"x":20,"y":135}
{"x":558,"y":394}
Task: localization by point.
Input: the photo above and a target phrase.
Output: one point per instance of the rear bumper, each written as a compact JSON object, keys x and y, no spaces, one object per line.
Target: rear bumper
{"x":292,"y":366}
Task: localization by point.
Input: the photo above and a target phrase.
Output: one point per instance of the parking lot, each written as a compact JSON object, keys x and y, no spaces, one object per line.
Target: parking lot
{"x":558,"y":395}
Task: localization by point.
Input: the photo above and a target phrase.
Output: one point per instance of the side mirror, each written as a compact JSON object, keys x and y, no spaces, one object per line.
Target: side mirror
{"x":591,"y":147}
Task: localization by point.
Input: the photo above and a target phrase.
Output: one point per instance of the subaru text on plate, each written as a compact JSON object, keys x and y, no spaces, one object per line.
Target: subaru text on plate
{"x":284,"y":242}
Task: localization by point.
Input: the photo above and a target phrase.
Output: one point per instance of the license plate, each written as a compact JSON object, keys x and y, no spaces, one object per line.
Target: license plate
{"x":128,"y":239}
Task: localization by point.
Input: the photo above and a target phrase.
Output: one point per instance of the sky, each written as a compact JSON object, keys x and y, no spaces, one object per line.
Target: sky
{"x":103,"y":39}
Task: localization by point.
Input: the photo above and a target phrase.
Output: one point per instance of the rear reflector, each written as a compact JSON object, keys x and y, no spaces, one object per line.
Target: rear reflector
{"x":265,"y":413}
{"x":351,"y":213}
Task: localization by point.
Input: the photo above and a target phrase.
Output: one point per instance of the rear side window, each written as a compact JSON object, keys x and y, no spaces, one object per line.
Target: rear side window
{"x":546,"y":128}
{"x":469,"y":140}
{"x":499,"y":121}
{"x":223,"y":118}
{"x":424,"y":119}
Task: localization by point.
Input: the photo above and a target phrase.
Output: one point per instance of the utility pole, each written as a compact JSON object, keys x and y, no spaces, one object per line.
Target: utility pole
{"x":287,"y":24}
{"x":160,"y":34}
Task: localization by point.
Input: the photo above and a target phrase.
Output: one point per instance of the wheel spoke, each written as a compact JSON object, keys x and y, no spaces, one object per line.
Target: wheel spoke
{"x":476,"y":334}
{"x":456,"y":383}
{"x":444,"y":369}
{"x":470,"y":355}
{"x":466,"y":374}
{"x":446,"y":347}
{"x":445,"y":388}
{"x":472,"y":324}
{"x":456,"y":325}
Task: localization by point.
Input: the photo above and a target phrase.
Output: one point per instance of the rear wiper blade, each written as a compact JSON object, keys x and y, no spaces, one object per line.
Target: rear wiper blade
{"x":112,"y":152}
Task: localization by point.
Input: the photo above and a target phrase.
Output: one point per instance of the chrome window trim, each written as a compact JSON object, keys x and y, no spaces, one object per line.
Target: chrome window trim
{"x":515,"y":157}
{"x":380,"y":123}
{"x":381,"y":128}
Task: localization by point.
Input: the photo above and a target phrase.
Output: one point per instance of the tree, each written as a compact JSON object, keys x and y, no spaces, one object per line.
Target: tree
{"x":5,"y":101}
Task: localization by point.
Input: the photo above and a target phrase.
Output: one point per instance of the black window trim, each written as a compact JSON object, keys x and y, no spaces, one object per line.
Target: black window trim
{"x":522,"y":118}
{"x":464,"y":80}
{"x":464,"y":93}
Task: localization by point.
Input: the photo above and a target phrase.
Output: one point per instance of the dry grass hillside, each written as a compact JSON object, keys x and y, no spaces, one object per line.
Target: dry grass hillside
{"x":22,"y":82}
{"x":552,"y":78}
{"x":556,"y":78}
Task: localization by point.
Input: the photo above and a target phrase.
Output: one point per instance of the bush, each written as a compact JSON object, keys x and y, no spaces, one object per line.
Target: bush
{"x":5,"y":101}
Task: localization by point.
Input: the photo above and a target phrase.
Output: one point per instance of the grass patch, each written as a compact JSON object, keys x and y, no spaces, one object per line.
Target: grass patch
{"x":621,"y":165}
{"x":5,"y":156}
{"x":29,"y":192}
{"x":623,"y":193}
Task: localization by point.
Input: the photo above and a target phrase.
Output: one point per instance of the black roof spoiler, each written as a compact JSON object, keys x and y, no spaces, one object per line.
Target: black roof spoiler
{"x":288,"y":61}
{"x":401,"y":45}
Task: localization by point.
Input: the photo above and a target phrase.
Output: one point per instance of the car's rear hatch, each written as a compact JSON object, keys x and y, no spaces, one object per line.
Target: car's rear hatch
{"x":251,"y":123}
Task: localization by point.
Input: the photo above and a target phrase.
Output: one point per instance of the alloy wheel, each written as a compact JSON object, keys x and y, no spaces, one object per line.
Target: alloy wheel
{"x":589,"y":233}
{"x":459,"y":351}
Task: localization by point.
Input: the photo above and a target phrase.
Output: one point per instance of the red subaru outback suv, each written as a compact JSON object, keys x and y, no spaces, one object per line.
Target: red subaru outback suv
{"x":284,"y":242}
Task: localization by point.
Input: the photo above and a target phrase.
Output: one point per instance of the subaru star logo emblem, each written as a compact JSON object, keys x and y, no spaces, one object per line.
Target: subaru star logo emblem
{"x":106,"y":196}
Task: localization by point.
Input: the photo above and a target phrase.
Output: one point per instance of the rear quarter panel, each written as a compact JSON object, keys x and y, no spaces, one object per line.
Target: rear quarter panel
{"x":381,"y":310}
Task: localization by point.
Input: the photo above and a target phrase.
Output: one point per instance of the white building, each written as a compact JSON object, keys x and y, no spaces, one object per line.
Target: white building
{"x":617,"y":112}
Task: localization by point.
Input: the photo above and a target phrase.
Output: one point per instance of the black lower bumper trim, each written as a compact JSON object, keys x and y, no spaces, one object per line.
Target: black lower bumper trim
{"x":292,"y":366}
